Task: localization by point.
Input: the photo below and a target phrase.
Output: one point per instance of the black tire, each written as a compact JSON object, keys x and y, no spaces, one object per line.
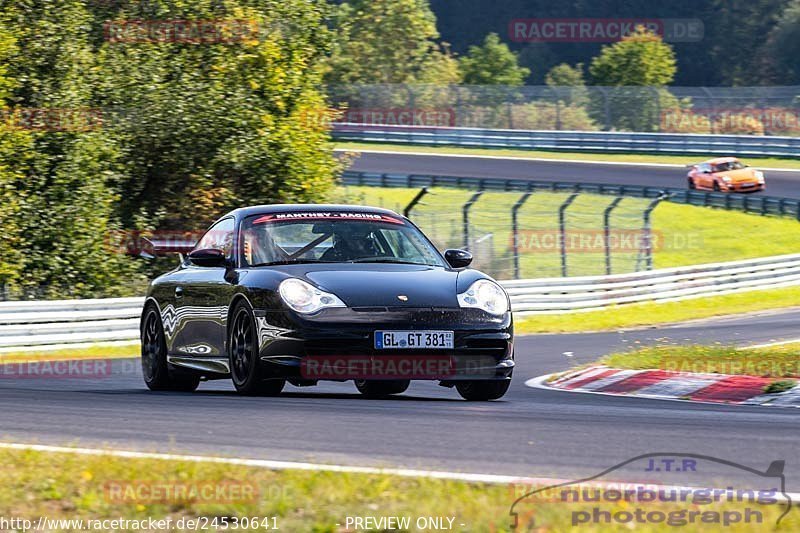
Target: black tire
{"x":246,"y":372}
{"x":381,"y":388}
{"x":716,"y":187}
{"x":692,"y":185}
{"x":156,"y":371}
{"x":481,"y":391}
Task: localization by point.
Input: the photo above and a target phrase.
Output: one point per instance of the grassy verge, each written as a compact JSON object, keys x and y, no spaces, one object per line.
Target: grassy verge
{"x":683,"y":234}
{"x":779,"y":362}
{"x":92,"y":352}
{"x":65,"y":486}
{"x":646,"y":314}
{"x":767,"y":162}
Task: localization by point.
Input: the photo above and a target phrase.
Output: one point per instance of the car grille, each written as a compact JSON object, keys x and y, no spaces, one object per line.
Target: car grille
{"x":495,"y":348}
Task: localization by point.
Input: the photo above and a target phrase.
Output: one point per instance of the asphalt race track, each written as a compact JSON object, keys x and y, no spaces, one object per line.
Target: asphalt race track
{"x":779,"y":183}
{"x":531,"y":432}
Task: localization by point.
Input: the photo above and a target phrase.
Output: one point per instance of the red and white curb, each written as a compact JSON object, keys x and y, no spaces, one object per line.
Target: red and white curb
{"x":667,"y":385}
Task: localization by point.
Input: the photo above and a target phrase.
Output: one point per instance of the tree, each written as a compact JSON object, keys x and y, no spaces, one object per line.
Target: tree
{"x":779,"y":56}
{"x":15,"y":159}
{"x":189,"y":129}
{"x":568,"y":82}
{"x":221,"y":125}
{"x":493,"y":63}
{"x":387,"y":41}
{"x":639,"y":66}
{"x":66,"y":187}
{"x":564,"y":75}
{"x":641,"y":58}
{"x":739,"y":29}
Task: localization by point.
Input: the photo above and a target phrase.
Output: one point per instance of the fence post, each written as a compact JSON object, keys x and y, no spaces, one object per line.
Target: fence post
{"x":606,"y":109}
{"x":515,"y":231}
{"x":647,"y":244}
{"x":465,"y":210}
{"x":414,"y":201}
{"x":562,"y":211}
{"x":607,"y":231}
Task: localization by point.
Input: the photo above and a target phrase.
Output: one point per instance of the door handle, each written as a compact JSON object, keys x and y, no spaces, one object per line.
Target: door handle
{"x":178,"y":292}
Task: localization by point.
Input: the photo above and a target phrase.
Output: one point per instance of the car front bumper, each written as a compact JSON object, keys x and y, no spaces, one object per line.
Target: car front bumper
{"x":744,"y":187}
{"x":338,"y":344}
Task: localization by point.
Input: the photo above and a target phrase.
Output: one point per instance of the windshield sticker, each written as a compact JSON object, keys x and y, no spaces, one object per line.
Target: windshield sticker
{"x":327,"y":215}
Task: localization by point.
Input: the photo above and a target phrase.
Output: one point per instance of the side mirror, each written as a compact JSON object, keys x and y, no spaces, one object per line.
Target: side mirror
{"x":458,"y":258}
{"x":208,"y":257}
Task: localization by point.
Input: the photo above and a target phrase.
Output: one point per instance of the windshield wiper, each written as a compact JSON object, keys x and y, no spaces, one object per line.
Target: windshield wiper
{"x":288,"y":262}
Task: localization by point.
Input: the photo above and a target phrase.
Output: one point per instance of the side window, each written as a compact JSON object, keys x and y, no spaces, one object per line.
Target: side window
{"x":219,"y":236}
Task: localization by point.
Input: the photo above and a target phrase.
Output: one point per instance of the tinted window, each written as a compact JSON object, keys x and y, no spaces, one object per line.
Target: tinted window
{"x":334,"y":238}
{"x":219,"y":236}
{"x":731,"y":165}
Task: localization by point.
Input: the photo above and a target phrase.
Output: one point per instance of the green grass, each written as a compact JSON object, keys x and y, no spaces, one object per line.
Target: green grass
{"x":67,"y":486}
{"x":766,"y":162}
{"x":653,"y":314}
{"x":683,"y":234}
{"x":778,"y":362}
{"x":98,"y":351}
{"x":779,"y":386}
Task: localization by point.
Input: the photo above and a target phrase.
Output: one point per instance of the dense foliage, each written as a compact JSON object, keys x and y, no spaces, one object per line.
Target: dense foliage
{"x":731,"y":52}
{"x":147,"y":115}
{"x":148,"y":130}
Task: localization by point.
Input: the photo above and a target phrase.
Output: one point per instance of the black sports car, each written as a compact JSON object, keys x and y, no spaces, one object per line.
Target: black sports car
{"x":303,"y":293}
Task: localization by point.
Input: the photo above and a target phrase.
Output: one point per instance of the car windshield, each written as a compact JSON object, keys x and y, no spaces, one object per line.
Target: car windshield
{"x":728,"y":165}
{"x":333,"y":237}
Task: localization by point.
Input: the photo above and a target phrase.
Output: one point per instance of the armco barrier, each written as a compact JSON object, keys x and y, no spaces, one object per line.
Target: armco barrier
{"x":762,"y":205}
{"x":563,"y":295}
{"x":41,"y":323}
{"x":590,"y":141}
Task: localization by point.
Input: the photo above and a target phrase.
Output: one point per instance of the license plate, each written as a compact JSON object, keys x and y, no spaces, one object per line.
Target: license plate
{"x":413,"y":339}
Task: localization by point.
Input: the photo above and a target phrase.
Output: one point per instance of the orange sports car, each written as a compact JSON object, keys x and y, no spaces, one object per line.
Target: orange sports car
{"x":725,"y":174}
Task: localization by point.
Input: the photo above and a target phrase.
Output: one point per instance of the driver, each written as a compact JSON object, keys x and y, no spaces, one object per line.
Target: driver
{"x":351,"y":242}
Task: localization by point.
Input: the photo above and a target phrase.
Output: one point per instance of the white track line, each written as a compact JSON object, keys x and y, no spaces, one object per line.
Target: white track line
{"x":540,"y":159}
{"x":282,"y":465}
{"x":286,"y":465}
{"x":768,"y":344}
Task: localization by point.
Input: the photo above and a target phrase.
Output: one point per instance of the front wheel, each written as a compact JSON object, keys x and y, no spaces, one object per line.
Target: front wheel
{"x":381,"y":388}
{"x":155,"y":369}
{"x":481,"y":391}
{"x":246,"y":371}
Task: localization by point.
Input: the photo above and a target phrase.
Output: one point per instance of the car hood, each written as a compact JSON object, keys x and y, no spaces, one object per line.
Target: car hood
{"x":743,"y":174}
{"x":371,"y":285}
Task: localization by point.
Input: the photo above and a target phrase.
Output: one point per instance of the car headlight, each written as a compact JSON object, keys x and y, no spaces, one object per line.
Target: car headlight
{"x":305,"y":298}
{"x":486,"y":295}
{"x":726,"y":179}
{"x":759,"y":176}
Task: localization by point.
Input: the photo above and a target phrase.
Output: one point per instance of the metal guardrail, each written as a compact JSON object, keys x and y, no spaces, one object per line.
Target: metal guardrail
{"x":580,"y":294}
{"x":598,"y":141}
{"x":761,"y":205}
{"x":42,"y":323}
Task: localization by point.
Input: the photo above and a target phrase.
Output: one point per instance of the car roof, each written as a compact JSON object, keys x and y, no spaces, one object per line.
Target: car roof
{"x":303,"y":208}
{"x":719,"y":160}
